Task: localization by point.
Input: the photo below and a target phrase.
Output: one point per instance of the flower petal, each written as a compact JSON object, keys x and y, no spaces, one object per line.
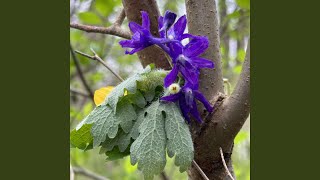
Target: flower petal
{"x":168,"y":20}
{"x":171,"y":77}
{"x":134,"y":50}
{"x":179,"y":27}
{"x":145,"y":20}
{"x":195,"y":113}
{"x":175,"y":50}
{"x":171,"y":98}
{"x":134,"y":27}
{"x":196,"y":46}
{"x":160,"y":25}
{"x":202,"y":63}
{"x":190,"y":75}
{"x":184,"y":109}
{"x":127,"y":43}
{"x":204,"y":101}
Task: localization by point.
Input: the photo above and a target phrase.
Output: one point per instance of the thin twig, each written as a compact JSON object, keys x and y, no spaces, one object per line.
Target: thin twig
{"x":224,"y":164}
{"x":96,"y":57}
{"x":114,"y":29}
{"x":83,"y":80}
{"x":87,"y":173}
{"x":200,"y":170}
{"x":75,"y":91}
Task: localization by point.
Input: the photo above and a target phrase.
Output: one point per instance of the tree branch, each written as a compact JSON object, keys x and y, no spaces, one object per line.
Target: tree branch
{"x":83,"y":80}
{"x":87,"y":173}
{"x":96,"y":57}
{"x":75,"y":91}
{"x":237,"y":107}
{"x":114,"y":29}
{"x":150,"y":54}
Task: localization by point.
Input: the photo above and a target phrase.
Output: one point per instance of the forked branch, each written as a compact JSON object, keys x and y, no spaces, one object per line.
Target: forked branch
{"x":114,"y":29}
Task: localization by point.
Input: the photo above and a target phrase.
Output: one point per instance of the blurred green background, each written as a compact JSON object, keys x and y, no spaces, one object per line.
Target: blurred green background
{"x":234,"y":16}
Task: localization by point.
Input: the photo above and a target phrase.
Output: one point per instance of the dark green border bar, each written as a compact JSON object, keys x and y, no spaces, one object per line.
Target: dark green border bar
{"x":34,"y":90}
{"x":285,"y":90}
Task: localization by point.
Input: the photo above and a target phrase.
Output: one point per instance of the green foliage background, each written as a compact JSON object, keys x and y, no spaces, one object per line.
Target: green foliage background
{"x":234,"y":22}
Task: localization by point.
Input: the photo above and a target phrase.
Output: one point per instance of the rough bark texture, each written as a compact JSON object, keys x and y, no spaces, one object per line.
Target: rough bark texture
{"x":230,"y":113}
{"x":150,"y":54}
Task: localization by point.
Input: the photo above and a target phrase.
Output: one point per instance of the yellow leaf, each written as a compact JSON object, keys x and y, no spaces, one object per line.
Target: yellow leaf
{"x":101,"y":94}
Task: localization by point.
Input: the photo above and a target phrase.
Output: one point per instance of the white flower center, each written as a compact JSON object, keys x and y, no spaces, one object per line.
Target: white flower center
{"x":174,"y":88}
{"x":170,"y":37}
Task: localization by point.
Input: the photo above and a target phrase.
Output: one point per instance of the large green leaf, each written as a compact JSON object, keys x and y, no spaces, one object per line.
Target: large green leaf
{"x":104,"y":122}
{"x":126,"y":114}
{"x":116,"y":154}
{"x":122,"y":140}
{"x":179,"y":141}
{"x":148,"y":150}
{"x":81,"y":138}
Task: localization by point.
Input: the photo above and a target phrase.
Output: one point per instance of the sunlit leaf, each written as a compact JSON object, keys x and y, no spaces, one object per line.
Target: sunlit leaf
{"x":101,"y":94}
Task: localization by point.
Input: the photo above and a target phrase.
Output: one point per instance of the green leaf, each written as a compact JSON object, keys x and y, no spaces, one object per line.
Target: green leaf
{"x":148,"y":150}
{"x":89,"y":18}
{"x":126,"y":114}
{"x":81,"y":138}
{"x":135,"y":129}
{"x":122,"y":140}
{"x":179,"y":141}
{"x":104,"y":123}
{"x":116,"y":154}
{"x":129,"y":84}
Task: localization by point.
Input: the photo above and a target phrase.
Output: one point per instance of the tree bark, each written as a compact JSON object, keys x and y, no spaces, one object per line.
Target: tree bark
{"x":150,"y":54}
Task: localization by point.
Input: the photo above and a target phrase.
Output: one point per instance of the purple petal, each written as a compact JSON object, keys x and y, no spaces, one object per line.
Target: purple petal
{"x":189,"y":75}
{"x":171,"y":77}
{"x":175,"y":50}
{"x":134,"y":27}
{"x":184,"y":109}
{"x":160,"y":25}
{"x":145,"y":20}
{"x":134,"y":50}
{"x":196,"y":46}
{"x":184,"y":36}
{"x":202,"y":63}
{"x":168,"y":20}
{"x":127,"y":43}
{"x":204,"y":101}
{"x":180,"y":26}
{"x":195,"y":113}
{"x":189,"y":97}
{"x":171,"y":98}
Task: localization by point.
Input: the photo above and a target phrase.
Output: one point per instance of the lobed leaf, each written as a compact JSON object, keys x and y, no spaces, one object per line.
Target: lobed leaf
{"x":148,"y":150}
{"x":179,"y":141}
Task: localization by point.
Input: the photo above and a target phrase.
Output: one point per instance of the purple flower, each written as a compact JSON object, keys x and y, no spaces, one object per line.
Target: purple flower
{"x":167,"y":20}
{"x":187,"y":62}
{"x":142,"y":36}
{"x":176,"y":32}
{"x":187,"y":101}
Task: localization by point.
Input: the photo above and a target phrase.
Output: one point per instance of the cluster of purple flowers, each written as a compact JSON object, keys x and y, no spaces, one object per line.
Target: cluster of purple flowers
{"x":185,"y":58}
